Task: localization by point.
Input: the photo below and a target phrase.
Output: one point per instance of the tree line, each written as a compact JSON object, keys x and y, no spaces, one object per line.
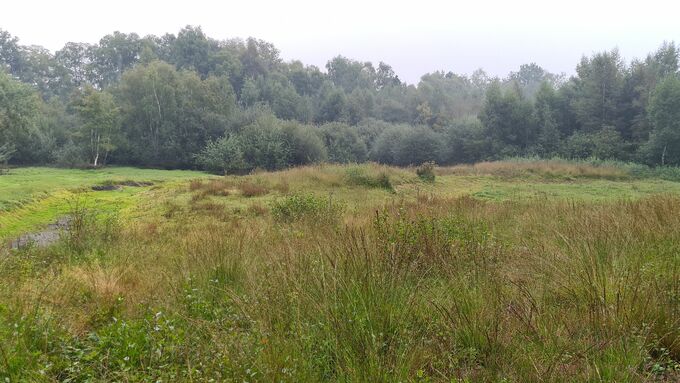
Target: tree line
{"x":190,"y":101}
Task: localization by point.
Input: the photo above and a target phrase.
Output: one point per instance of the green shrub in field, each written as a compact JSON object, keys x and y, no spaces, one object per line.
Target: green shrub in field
{"x":357,"y":176}
{"x":426,"y":171}
{"x":299,"y":207}
{"x":222,"y":156}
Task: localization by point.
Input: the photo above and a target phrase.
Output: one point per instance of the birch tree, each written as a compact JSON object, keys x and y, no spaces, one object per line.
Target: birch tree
{"x":99,"y":124}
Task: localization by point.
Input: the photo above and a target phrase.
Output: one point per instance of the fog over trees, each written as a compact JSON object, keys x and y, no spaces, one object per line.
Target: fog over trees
{"x":190,"y":101}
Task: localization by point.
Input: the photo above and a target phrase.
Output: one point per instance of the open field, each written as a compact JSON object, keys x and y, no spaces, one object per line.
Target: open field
{"x":30,"y":197}
{"x":519,"y":272}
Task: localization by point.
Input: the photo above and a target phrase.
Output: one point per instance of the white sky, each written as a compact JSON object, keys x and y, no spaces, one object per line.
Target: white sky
{"x":415,"y":37}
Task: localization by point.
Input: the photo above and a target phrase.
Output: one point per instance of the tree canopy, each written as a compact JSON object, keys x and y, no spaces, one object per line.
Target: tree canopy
{"x":187,"y":100}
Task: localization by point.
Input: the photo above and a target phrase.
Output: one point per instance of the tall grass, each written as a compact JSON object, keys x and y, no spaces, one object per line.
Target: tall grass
{"x":434,"y":289}
{"x":559,"y":168}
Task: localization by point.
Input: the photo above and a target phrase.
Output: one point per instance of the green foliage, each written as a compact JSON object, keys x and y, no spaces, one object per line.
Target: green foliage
{"x":175,"y":94}
{"x":223,"y":156}
{"x":448,"y":97}
{"x":333,"y":105}
{"x":305,"y":142}
{"x":169,"y":116}
{"x":6,"y":152}
{"x":549,"y":135}
{"x":115,"y":53}
{"x":99,"y":132}
{"x":418,"y":145}
{"x":604,"y":144}
{"x":369,"y":129}
{"x":70,"y":156}
{"x":531,"y":78}
{"x":599,"y":85}
{"x":18,"y":119}
{"x":464,"y":141}
{"x":264,"y":145}
{"x":306,"y":207}
{"x":404,"y":146}
{"x":664,"y":109}
{"x":509,"y":120}
{"x":385,"y":148}
{"x":343,"y":143}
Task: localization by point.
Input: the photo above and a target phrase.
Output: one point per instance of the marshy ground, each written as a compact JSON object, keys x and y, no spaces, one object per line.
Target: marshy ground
{"x":510,"y":271}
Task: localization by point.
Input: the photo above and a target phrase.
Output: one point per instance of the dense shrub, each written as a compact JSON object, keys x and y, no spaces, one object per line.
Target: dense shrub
{"x":264,"y":144}
{"x":464,"y":142}
{"x":404,"y":146}
{"x":305,"y":142}
{"x":418,"y":145}
{"x":385,"y":148}
{"x":604,"y":144}
{"x":369,"y":129}
{"x":343,"y":143}
{"x":223,"y":156}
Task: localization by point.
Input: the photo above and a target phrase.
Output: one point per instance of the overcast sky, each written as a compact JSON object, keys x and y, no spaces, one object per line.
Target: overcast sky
{"x":415,"y":37}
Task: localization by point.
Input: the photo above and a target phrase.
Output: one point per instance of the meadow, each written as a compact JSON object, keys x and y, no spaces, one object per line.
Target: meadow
{"x":31,"y":197}
{"x":515,"y":271}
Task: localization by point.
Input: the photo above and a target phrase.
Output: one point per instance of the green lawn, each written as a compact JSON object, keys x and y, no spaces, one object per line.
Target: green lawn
{"x":22,"y":185}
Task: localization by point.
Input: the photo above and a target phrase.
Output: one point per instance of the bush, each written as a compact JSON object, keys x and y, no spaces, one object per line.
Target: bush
{"x":222,"y":156}
{"x":426,"y":171}
{"x":418,"y":145}
{"x":306,"y":145}
{"x":604,"y":144}
{"x":370,"y":129}
{"x":403,"y":146}
{"x":264,"y":144}
{"x":343,"y":143}
{"x":386,"y":144}
{"x":464,"y":142}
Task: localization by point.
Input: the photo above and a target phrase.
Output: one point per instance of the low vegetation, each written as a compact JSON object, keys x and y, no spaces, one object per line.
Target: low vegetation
{"x":306,"y":207}
{"x":561,"y":168}
{"x":323,"y":278}
{"x":33,"y":197}
{"x":358,"y":176}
